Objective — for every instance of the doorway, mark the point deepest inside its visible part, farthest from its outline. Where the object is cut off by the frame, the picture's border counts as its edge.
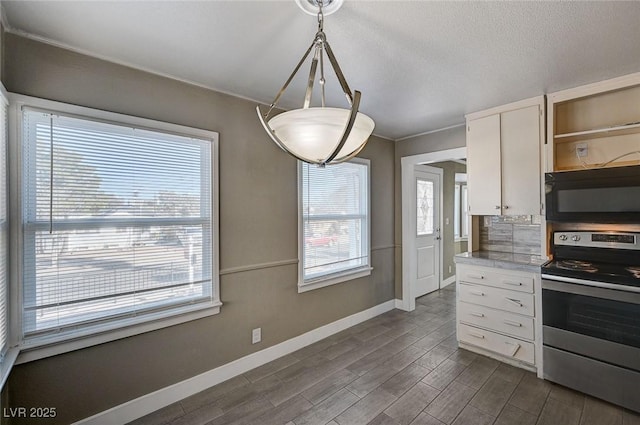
(419, 274)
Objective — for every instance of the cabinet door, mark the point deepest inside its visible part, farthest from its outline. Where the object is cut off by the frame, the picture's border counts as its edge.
(520, 147)
(483, 165)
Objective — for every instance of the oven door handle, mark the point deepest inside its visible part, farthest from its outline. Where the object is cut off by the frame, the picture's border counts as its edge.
(609, 291)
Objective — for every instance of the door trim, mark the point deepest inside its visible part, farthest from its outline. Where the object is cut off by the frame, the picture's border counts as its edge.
(407, 165)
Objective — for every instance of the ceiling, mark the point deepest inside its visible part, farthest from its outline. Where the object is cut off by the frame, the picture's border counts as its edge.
(420, 65)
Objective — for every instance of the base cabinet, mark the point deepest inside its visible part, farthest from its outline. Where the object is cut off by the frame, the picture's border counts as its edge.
(496, 313)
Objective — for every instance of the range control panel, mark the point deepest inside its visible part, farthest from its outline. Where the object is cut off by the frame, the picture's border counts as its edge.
(616, 240)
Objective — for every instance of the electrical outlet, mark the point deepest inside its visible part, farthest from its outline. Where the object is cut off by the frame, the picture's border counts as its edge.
(582, 150)
(256, 335)
(446, 221)
(449, 269)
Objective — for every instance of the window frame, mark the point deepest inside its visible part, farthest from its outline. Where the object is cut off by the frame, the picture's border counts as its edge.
(328, 279)
(8, 352)
(36, 348)
(461, 213)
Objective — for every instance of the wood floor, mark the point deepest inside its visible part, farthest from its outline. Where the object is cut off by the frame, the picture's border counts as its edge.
(398, 368)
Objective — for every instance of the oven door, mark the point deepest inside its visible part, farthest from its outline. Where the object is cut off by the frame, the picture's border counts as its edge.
(599, 323)
(609, 195)
(591, 340)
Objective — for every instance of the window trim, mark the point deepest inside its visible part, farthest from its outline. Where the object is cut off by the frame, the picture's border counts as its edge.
(8, 353)
(34, 349)
(343, 275)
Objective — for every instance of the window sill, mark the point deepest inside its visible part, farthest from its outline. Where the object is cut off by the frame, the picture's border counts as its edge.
(333, 279)
(39, 348)
(7, 363)
(461, 239)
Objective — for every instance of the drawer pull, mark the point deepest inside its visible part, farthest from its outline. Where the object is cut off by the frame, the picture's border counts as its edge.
(512, 323)
(476, 335)
(512, 283)
(477, 314)
(478, 293)
(512, 348)
(476, 276)
(516, 302)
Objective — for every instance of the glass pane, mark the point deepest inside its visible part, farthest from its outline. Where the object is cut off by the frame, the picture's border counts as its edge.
(456, 211)
(425, 203)
(333, 245)
(465, 212)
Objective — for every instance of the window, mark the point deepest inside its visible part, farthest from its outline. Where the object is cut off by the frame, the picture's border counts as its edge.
(461, 208)
(118, 222)
(425, 211)
(334, 223)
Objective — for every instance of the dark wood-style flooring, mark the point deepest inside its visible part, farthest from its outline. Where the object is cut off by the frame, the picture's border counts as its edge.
(398, 368)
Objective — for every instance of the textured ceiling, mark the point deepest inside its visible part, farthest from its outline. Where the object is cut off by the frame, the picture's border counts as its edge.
(421, 65)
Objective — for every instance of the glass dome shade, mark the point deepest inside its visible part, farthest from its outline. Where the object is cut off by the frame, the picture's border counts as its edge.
(314, 133)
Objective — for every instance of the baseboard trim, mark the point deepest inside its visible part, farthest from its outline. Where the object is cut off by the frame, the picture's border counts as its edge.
(448, 281)
(151, 402)
(398, 304)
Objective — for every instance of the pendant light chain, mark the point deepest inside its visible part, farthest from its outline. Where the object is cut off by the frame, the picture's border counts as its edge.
(321, 30)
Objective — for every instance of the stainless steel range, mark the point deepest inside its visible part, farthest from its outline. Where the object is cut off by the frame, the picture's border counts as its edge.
(591, 315)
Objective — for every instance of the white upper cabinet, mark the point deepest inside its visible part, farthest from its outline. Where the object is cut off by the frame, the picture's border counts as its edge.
(483, 165)
(504, 159)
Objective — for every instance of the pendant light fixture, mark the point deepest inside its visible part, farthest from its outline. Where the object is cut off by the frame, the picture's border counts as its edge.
(319, 135)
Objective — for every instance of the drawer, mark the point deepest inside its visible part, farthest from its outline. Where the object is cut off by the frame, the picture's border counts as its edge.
(514, 281)
(500, 344)
(515, 302)
(501, 321)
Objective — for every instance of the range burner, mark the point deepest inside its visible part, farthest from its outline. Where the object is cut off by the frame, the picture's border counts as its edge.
(583, 266)
(634, 270)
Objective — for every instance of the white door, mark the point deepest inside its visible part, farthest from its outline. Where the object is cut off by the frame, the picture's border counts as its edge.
(425, 258)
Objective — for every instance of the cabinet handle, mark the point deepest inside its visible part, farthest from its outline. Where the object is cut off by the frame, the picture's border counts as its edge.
(516, 302)
(478, 293)
(497, 207)
(506, 207)
(477, 314)
(511, 282)
(513, 349)
(476, 335)
(512, 323)
(476, 276)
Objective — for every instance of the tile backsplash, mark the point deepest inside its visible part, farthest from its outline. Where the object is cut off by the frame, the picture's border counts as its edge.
(517, 234)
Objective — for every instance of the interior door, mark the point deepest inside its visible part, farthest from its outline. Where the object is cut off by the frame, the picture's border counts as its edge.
(425, 267)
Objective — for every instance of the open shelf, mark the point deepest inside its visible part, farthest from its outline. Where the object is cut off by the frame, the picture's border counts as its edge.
(618, 130)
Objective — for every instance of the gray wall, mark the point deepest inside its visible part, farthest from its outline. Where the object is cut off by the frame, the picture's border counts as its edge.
(449, 170)
(87, 381)
(442, 140)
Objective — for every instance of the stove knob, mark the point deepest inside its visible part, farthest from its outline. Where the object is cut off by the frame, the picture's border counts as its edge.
(563, 237)
(575, 238)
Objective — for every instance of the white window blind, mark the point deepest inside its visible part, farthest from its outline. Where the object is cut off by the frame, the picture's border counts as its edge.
(4, 228)
(335, 218)
(117, 223)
